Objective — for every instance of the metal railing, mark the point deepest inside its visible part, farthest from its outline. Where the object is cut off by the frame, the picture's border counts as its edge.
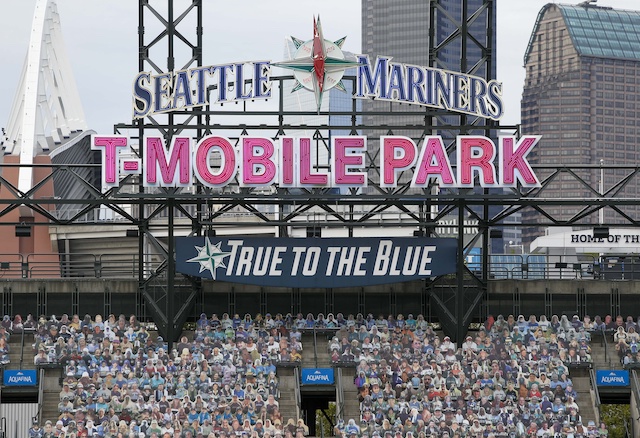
(75, 265)
(21, 348)
(339, 394)
(38, 416)
(627, 431)
(596, 393)
(535, 266)
(607, 355)
(298, 396)
(315, 348)
(635, 390)
(87, 265)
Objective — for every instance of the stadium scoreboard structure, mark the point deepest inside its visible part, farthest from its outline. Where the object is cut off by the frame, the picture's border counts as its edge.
(190, 155)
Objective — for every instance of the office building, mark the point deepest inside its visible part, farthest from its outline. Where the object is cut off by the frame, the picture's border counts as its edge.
(582, 94)
(400, 29)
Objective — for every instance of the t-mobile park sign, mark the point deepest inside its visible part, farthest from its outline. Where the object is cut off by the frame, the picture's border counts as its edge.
(260, 162)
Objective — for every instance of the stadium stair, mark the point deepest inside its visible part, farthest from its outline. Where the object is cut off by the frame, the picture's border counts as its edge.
(350, 395)
(16, 350)
(51, 394)
(582, 386)
(22, 347)
(316, 352)
(604, 360)
(582, 381)
(287, 388)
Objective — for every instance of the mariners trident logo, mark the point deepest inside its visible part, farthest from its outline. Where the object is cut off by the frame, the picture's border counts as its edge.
(210, 257)
(318, 64)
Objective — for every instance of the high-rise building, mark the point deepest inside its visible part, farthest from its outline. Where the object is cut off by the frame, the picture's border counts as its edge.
(401, 29)
(582, 94)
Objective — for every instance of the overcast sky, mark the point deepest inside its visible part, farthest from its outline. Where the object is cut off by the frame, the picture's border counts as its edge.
(101, 40)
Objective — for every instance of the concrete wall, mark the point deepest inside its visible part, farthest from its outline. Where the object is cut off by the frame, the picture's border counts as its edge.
(104, 296)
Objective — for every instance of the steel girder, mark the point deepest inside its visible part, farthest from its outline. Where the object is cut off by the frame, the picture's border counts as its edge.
(161, 292)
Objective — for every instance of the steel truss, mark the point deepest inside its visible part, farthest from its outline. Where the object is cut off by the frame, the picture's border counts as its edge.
(169, 299)
(185, 213)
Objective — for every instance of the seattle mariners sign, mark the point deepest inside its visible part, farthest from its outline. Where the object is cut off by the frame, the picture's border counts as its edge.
(318, 65)
(306, 263)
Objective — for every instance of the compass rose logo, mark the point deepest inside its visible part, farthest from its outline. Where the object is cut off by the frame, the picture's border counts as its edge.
(318, 64)
(210, 257)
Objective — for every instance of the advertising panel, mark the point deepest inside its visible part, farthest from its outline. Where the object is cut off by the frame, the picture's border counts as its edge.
(315, 262)
(317, 376)
(20, 378)
(612, 377)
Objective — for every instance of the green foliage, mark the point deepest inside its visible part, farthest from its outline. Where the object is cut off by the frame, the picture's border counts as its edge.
(615, 416)
(323, 428)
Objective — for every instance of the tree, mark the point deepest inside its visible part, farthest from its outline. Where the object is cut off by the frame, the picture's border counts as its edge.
(615, 417)
(323, 428)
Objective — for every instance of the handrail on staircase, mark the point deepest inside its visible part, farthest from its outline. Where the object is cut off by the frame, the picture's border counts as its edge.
(315, 347)
(606, 348)
(298, 397)
(21, 348)
(635, 385)
(38, 416)
(596, 392)
(339, 394)
(627, 432)
(24, 331)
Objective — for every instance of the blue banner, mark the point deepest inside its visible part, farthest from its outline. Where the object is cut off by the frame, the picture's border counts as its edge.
(612, 378)
(315, 262)
(317, 376)
(20, 378)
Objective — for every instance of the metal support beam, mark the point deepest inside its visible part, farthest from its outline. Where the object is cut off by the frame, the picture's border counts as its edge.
(161, 298)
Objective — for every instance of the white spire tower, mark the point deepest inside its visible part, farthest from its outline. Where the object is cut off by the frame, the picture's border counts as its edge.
(46, 110)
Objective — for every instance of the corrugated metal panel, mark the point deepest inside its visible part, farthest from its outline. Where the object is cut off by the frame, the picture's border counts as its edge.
(19, 417)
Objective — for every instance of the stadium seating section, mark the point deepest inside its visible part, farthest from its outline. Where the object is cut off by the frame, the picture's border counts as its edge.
(510, 378)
